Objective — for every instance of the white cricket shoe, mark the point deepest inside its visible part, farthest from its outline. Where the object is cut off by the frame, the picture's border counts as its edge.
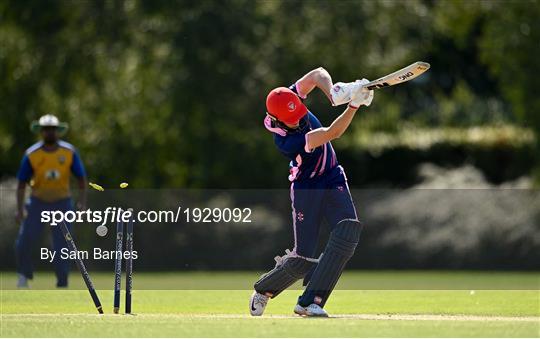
(312, 310)
(257, 304)
(22, 281)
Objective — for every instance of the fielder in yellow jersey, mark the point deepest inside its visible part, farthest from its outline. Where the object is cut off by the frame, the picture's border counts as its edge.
(46, 167)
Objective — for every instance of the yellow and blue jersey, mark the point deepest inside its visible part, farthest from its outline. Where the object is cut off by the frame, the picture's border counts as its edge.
(48, 172)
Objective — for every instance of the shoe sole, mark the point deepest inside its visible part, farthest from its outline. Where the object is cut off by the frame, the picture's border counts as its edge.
(300, 313)
(306, 314)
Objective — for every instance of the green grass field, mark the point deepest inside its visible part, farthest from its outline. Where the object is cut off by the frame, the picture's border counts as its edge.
(368, 304)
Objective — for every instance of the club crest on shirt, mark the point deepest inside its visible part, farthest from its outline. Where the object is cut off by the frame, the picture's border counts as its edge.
(61, 159)
(300, 216)
(52, 174)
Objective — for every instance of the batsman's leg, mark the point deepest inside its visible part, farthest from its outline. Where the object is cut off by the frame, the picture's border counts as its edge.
(296, 264)
(339, 210)
(306, 213)
(289, 269)
(340, 248)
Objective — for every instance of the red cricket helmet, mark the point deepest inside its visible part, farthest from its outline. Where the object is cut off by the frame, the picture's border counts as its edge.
(284, 105)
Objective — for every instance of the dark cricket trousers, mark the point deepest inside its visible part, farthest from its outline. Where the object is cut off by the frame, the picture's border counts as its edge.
(326, 197)
(30, 233)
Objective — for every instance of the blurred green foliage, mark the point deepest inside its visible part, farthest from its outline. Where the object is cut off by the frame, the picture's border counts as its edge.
(171, 93)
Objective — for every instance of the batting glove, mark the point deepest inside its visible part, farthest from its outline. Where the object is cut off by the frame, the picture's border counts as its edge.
(341, 92)
(361, 95)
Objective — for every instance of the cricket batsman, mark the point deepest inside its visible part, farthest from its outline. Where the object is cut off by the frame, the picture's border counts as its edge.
(319, 190)
(46, 166)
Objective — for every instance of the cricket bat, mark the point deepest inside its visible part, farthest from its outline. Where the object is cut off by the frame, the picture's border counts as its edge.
(403, 75)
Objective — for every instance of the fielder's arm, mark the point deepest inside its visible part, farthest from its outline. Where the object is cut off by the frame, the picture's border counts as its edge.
(319, 78)
(321, 136)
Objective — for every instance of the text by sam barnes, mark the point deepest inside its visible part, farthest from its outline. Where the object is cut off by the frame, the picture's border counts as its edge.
(96, 254)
